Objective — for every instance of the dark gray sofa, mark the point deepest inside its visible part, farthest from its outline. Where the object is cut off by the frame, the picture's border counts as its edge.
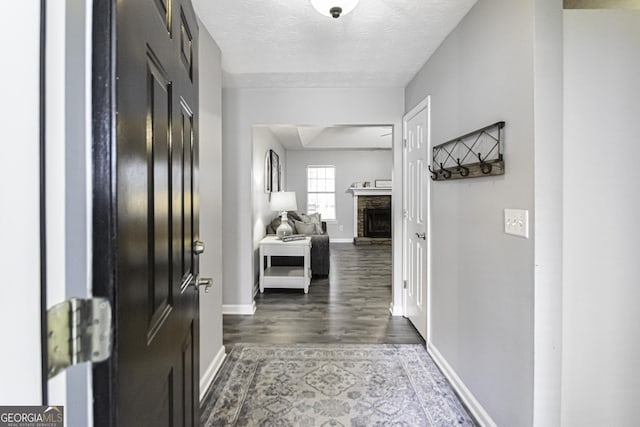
(320, 251)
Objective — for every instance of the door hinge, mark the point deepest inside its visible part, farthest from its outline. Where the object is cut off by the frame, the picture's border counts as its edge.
(404, 142)
(78, 330)
(405, 284)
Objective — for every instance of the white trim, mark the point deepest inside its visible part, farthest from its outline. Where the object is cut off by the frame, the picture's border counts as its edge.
(210, 373)
(396, 310)
(370, 191)
(429, 229)
(366, 191)
(415, 110)
(243, 309)
(341, 240)
(465, 395)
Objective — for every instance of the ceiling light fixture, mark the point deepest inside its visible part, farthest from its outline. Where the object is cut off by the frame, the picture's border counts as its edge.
(334, 8)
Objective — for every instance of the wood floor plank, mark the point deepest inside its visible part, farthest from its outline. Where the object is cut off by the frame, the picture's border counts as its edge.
(349, 306)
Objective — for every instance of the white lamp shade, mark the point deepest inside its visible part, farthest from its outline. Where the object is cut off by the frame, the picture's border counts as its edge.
(283, 201)
(324, 6)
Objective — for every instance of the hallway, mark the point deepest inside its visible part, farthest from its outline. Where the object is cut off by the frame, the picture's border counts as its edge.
(307, 360)
(350, 306)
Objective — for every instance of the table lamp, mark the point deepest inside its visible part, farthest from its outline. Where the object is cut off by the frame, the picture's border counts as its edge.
(283, 201)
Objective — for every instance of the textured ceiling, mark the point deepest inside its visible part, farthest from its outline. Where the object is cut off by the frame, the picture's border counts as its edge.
(286, 43)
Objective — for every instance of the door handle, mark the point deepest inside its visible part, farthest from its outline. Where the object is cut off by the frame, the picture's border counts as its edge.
(198, 247)
(422, 236)
(205, 282)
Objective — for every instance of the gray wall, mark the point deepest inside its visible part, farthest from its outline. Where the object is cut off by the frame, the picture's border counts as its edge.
(210, 128)
(263, 140)
(351, 166)
(482, 293)
(244, 108)
(601, 343)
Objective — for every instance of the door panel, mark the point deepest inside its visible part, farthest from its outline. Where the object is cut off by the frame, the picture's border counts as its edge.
(416, 219)
(186, 167)
(152, 377)
(158, 137)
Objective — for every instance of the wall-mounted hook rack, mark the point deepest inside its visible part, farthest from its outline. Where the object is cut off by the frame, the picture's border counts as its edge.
(464, 171)
(476, 154)
(434, 173)
(446, 174)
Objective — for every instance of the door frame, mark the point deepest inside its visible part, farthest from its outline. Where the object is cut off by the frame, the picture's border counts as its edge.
(425, 105)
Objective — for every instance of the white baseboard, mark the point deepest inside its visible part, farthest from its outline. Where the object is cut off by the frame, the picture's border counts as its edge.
(244, 309)
(210, 373)
(341, 240)
(472, 404)
(396, 310)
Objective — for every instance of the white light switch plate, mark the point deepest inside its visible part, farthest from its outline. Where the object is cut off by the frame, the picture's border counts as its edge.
(516, 222)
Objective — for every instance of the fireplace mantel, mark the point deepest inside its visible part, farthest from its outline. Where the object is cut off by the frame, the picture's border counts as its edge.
(364, 191)
(370, 191)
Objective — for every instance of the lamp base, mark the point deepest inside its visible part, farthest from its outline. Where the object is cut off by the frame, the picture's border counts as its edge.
(284, 229)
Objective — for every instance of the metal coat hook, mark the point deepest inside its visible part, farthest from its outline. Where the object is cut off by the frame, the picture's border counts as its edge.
(463, 170)
(446, 173)
(434, 174)
(484, 167)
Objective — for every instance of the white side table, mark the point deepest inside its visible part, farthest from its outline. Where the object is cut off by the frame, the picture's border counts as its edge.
(285, 277)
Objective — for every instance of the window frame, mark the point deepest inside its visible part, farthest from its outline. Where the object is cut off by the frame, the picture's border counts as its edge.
(308, 192)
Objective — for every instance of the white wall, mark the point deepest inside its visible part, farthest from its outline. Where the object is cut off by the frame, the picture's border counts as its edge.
(601, 341)
(482, 292)
(263, 141)
(244, 108)
(20, 214)
(351, 166)
(210, 174)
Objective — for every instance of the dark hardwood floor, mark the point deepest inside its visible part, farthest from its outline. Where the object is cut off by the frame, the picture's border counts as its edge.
(351, 306)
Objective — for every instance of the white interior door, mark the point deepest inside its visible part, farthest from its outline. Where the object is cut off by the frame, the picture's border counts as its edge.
(416, 133)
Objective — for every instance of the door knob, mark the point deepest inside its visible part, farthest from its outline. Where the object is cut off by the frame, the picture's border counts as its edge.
(207, 282)
(198, 247)
(422, 236)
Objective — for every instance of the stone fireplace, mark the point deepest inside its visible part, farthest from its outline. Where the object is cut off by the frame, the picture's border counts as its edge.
(372, 215)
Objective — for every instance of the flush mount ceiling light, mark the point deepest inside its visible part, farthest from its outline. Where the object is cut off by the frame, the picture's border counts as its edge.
(334, 8)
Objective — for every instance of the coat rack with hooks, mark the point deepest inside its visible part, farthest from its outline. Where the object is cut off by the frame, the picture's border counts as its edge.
(476, 154)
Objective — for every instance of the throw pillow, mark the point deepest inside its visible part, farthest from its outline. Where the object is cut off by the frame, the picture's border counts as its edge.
(306, 228)
(294, 216)
(313, 219)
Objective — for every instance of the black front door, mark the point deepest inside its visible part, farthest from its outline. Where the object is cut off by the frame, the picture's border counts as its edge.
(145, 209)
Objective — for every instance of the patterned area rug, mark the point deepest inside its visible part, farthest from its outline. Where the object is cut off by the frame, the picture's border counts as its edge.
(331, 385)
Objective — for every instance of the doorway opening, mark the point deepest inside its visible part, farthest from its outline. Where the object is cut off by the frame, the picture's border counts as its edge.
(359, 283)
